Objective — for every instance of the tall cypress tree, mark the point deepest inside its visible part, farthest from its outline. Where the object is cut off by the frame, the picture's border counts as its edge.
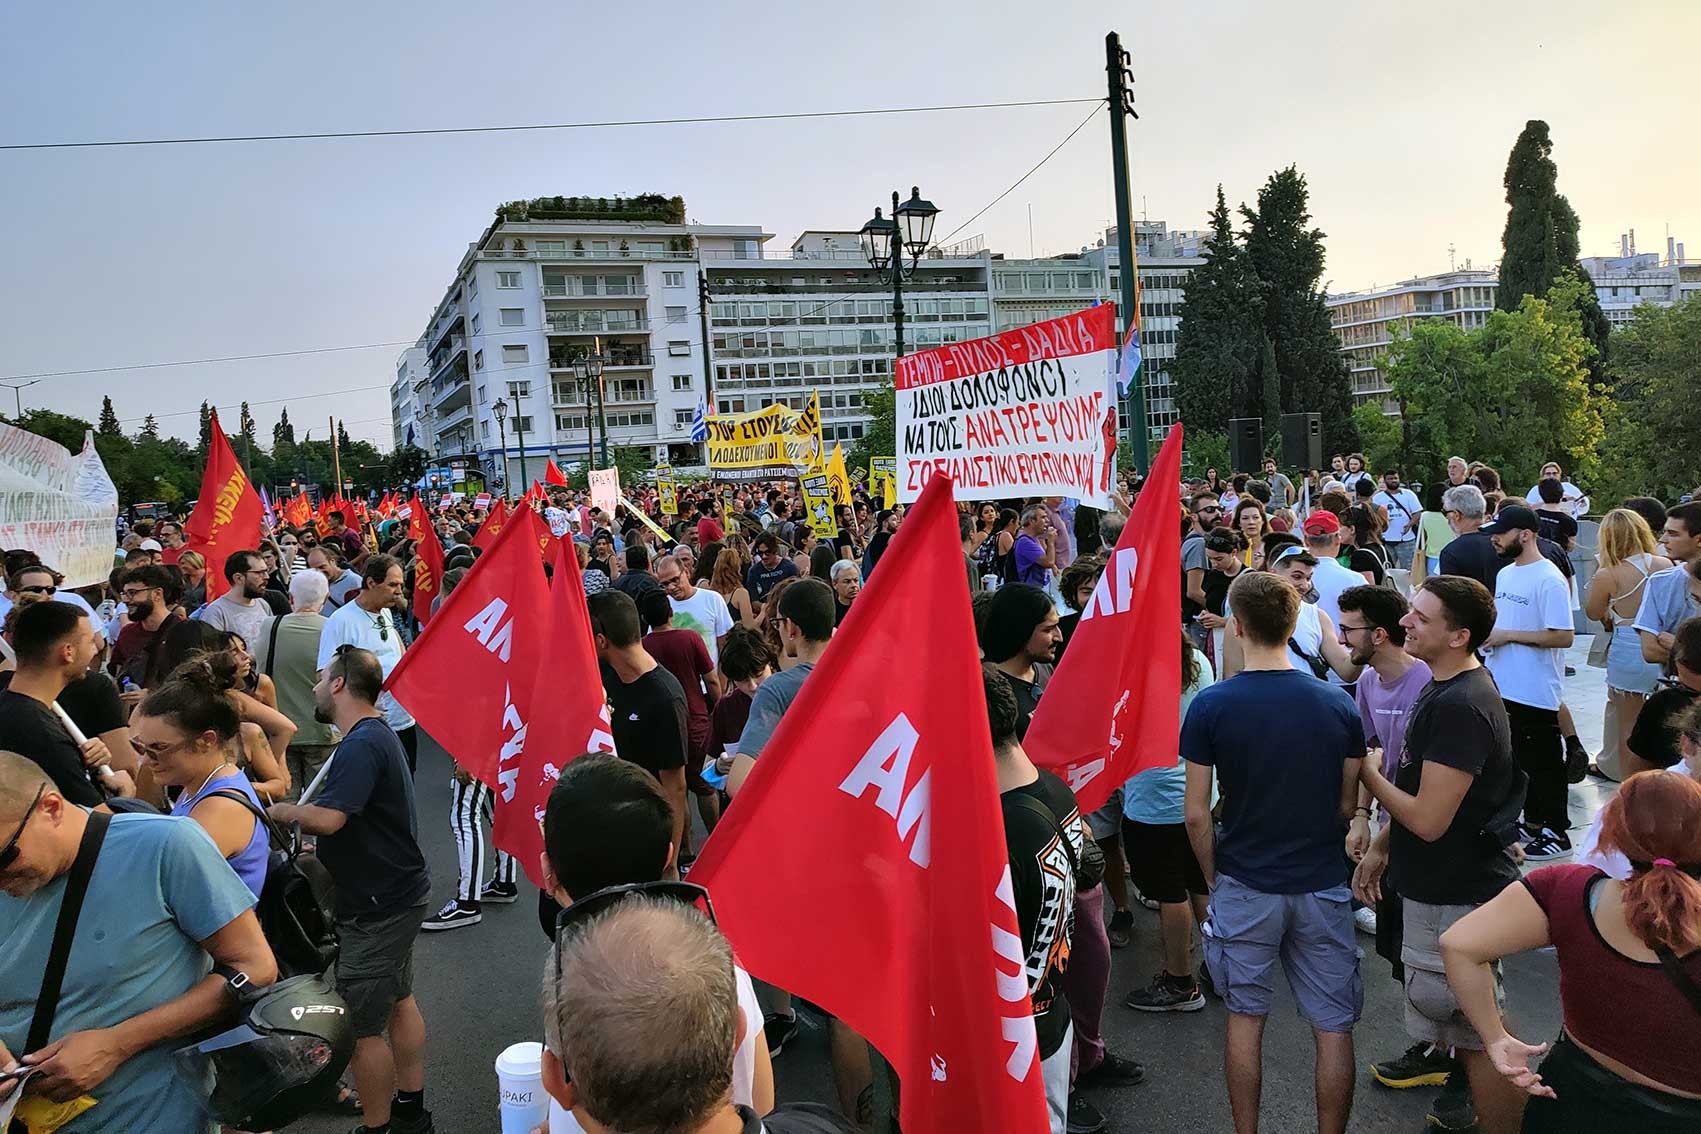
(149, 430)
(283, 433)
(1217, 349)
(108, 426)
(1286, 256)
(205, 442)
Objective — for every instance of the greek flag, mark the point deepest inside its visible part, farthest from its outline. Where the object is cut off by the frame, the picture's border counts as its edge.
(700, 421)
(1128, 364)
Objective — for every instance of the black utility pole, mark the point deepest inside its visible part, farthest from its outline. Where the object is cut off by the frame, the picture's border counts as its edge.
(703, 298)
(1122, 108)
(520, 434)
(897, 291)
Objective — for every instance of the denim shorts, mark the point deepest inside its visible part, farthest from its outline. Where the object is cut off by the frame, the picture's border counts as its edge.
(1310, 934)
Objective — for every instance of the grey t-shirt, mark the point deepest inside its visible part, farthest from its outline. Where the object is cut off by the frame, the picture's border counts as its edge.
(772, 700)
(341, 591)
(226, 613)
(1667, 603)
(1192, 559)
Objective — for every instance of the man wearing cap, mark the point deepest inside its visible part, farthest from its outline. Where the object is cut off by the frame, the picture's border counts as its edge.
(1526, 655)
(1329, 578)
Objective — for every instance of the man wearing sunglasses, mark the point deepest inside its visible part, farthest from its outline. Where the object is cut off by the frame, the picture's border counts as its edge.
(369, 623)
(1207, 513)
(159, 902)
(149, 618)
(607, 834)
(241, 609)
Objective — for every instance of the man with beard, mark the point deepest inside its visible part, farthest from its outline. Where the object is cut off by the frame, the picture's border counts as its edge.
(1526, 655)
(150, 617)
(241, 609)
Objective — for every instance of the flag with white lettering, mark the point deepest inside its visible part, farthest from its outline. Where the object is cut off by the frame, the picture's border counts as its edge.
(427, 574)
(1113, 708)
(575, 720)
(227, 514)
(468, 678)
(891, 906)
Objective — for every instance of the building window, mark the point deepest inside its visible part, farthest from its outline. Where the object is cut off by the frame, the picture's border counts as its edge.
(676, 314)
(683, 416)
(519, 389)
(508, 280)
(478, 360)
(673, 279)
(512, 354)
(551, 247)
(679, 348)
(472, 286)
(681, 382)
(522, 425)
(476, 325)
(484, 430)
(513, 316)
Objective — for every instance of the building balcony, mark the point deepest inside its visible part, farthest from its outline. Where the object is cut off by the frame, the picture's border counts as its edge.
(592, 289)
(455, 348)
(459, 419)
(615, 358)
(592, 254)
(593, 323)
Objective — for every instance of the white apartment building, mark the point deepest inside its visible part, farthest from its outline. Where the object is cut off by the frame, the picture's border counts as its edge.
(1626, 281)
(549, 282)
(408, 399)
(817, 317)
(1368, 322)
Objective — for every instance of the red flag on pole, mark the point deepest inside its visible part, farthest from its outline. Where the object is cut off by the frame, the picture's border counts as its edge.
(468, 677)
(892, 906)
(419, 519)
(1113, 708)
(492, 526)
(427, 575)
(553, 475)
(569, 683)
(227, 514)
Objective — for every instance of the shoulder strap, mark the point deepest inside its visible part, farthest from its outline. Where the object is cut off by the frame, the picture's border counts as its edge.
(1034, 806)
(272, 830)
(1674, 971)
(65, 930)
(272, 644)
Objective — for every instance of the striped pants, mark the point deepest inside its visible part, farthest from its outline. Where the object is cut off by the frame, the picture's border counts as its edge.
(470, 806)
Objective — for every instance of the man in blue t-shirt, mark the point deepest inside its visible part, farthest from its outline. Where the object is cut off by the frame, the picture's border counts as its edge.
(1277, 869)
(363, 814)
(1035, 548)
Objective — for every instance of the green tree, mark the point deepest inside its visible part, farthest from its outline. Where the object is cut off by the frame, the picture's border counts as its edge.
(1219, 346)
(1286, 255)
(1378, 436)
(283, 433)
(1207, 449)
(108, 426)
(342, 436)
(55, 426)
(150, 428)
(204, 443)
(1650, 446)
(880, 437)
(407, 464)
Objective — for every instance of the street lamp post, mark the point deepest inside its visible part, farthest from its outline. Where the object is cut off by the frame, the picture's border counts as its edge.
(520, 435)
(18, 398)
(589, 368)
(500, 409)
(884, 242)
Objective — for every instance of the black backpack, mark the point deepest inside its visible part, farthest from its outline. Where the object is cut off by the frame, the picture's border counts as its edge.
(297, 900)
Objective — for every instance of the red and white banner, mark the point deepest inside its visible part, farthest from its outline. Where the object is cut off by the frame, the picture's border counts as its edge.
(1029, 412)
(891, 906)
(1113, 708)
(572, 717)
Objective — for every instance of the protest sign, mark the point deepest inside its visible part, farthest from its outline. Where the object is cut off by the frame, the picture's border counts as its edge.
(837, 477)
(777, 441)
(605, 490)
(667, 490)
(482, 500)
(643, 518)
(60, 505)
(883, 479)
(818, 499)
(1028, 412)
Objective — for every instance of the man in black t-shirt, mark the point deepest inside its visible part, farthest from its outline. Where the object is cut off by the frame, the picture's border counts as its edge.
(1455, 795)
(1020, 636)
(55, 642)
(1654, 742)
(648, 711)
(770, 567)
(1556, 523)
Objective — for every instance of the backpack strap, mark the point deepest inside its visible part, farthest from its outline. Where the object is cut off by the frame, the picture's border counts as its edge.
(65, 930)
(1674, 971)
(272, 645)
(273, 831)
(1036, 807)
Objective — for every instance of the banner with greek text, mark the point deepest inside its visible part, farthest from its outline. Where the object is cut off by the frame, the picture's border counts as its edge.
(667, 490)
(58, 504)
(1028, 412)
(818, 501)
(605, 490)
(777, 441)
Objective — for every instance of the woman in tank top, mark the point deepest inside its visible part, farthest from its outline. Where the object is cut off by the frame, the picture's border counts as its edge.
(1627, 559)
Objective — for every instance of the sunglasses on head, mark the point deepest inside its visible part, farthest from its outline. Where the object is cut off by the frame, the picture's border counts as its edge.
(576, 916)
(9, 853)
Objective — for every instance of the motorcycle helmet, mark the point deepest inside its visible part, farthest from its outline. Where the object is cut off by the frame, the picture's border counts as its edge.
(281, 1060)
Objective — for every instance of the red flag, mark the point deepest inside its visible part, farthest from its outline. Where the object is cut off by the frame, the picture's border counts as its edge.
(535, 493)
(892, 905)
(427, 575)
(468, 676)
(553, 475)
(492, 526)
(1113, 708)
(419, 519)
(576, 722)
(227, 514)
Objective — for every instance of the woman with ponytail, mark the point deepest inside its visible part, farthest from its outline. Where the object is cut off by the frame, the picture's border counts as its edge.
(186, 732)
(1629, 971)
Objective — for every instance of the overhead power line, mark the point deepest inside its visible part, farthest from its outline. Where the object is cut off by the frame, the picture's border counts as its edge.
(611, 124)
(1053, 153)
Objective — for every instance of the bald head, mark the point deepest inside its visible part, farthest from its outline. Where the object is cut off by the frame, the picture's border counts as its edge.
(20, 779)
(643, 1015)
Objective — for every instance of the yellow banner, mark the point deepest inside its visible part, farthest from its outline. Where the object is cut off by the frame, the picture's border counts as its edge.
(643, 518)
(777, 441)
(838, 477)
(883, 478)
(818, 500)
(667, 490)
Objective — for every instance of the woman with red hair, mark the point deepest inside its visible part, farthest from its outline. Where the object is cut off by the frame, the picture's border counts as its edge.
(1629, 972)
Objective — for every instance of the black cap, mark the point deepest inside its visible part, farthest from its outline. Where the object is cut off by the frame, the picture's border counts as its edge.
(1513, 517)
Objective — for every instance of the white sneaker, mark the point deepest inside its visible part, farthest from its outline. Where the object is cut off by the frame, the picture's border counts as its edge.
(1365, 919)
(452, 916)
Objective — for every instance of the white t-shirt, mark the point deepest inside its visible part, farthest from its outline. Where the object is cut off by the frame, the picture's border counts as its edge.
(352, 626)
(1330, 579)
(707, 613)
(743, 1058)
(1530, 596)
(1403, 508)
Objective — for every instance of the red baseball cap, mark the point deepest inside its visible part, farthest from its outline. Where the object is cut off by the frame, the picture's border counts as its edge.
(1322, 522)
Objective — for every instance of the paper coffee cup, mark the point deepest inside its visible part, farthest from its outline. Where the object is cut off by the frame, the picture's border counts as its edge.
(519, 1084)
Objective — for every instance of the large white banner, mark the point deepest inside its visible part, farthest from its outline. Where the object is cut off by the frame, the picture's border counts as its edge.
(605, 491)
(60, 505)
(1029, 412)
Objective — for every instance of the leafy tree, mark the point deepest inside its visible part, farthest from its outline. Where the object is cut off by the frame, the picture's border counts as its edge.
(407, 464)
(205, 442)
(1378, 435)
(1286, 255)
(880, 436)
(1207, 449)
(108, 426)
(150, 428)
(342, 436)
(1219, 346)
(1650, 446)
(283, 433)
(60, 427)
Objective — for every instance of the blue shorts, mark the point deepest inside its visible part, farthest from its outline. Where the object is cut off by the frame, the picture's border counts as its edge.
(1311, 934)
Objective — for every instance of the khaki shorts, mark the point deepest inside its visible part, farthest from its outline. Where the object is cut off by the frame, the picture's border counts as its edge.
(1432, 1011)
(374, 970)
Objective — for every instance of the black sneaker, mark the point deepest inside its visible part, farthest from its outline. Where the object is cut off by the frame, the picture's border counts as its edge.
(421, 1125)
(499, 893)
(1452, 1109)
(1205, 984)
(1547, 846)
(778, 1030)
(1423, 1065)
(1112, 1071)
(1121, 928)
(1167, 994)
(453, 916)
(1084, 1117)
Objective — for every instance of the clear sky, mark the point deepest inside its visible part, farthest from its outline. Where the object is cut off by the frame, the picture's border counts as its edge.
(1401, 118)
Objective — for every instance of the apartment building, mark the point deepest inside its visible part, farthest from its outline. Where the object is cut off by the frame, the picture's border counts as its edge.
(1626, 281)
(407, 404)
(1368, 322)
